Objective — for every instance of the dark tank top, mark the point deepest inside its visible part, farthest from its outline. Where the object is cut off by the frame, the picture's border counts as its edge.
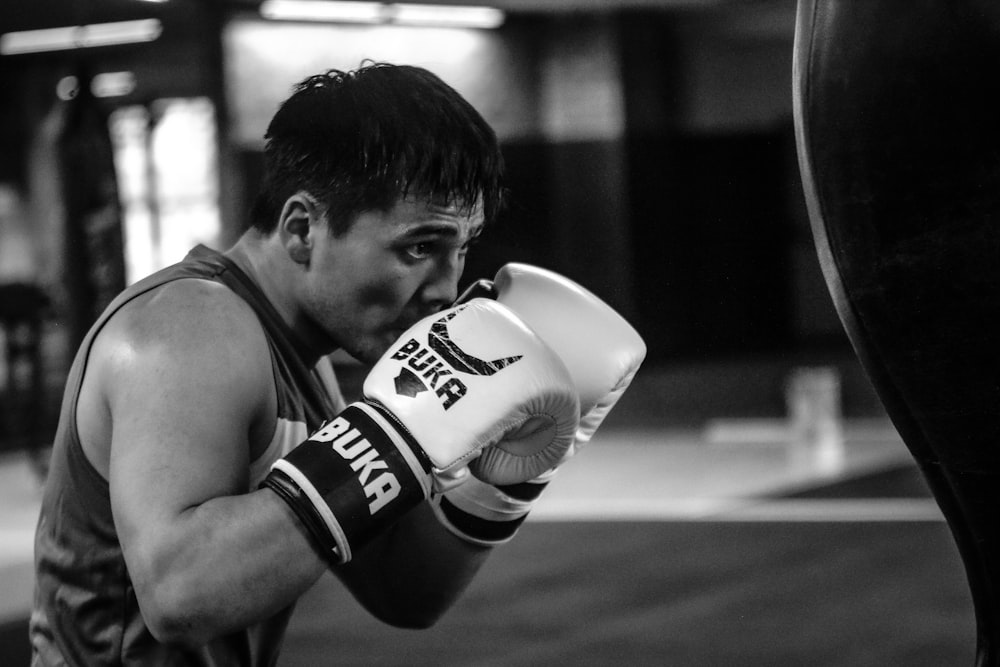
(85, 610)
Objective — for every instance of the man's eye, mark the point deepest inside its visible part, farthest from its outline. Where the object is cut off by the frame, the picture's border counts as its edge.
(464, 250)
(420, 250)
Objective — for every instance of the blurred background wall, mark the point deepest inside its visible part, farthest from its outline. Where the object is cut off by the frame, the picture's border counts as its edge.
(649, 144)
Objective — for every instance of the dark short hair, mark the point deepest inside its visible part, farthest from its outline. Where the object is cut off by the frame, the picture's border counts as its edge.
(362, 139)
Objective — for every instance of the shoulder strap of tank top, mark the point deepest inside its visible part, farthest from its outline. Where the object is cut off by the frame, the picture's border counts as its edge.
(317, 402)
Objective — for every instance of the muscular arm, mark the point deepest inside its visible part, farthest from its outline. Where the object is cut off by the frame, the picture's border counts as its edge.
(187, 385)
(185, 379)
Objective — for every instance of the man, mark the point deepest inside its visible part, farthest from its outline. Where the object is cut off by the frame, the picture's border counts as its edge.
(157, 543)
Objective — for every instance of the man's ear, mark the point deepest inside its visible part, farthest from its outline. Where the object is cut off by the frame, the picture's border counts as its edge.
(297, 224)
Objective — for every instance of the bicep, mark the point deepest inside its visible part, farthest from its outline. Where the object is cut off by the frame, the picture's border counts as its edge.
(182, 404)
(179, 438)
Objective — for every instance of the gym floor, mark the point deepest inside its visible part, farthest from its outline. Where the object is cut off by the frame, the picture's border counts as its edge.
(722, 541)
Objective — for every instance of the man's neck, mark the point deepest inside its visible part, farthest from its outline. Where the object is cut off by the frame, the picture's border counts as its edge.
(260, 263)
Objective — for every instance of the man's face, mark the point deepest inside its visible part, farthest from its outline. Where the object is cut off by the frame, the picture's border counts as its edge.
(390, 269)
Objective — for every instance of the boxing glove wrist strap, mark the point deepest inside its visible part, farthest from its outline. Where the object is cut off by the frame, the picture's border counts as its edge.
(352, 479)
(485, 514)
(319, 535)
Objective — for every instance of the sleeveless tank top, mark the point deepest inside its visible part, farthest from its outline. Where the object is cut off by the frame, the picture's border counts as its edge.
(85, 611)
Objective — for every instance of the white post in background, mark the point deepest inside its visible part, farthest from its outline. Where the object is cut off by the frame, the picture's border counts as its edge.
(813, 396)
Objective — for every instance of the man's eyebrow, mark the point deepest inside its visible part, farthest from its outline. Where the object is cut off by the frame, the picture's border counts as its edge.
(425, 228)
(440, 229)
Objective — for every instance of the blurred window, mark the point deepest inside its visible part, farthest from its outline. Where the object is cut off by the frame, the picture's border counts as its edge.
(167, 164)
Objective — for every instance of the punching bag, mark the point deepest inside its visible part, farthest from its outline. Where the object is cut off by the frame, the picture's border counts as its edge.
(897, 118)
(93, 243)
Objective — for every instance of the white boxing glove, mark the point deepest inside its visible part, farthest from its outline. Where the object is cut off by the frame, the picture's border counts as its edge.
(445, 394)
(602, 351)
(600, 348)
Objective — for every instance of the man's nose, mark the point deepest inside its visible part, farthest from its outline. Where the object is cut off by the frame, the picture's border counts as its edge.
(442, 285)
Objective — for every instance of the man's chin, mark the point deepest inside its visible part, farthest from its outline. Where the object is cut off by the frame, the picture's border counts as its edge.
(377, 347)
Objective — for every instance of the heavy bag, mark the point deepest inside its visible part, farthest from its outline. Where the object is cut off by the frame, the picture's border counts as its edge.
(897, 118)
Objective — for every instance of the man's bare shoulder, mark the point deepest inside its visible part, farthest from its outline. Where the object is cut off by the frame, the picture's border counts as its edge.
(198, 323)
(188, 361)
(189, 311)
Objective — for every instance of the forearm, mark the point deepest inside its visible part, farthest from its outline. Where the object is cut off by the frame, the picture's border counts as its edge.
(361, 482)
(221, 566)
(414, 572)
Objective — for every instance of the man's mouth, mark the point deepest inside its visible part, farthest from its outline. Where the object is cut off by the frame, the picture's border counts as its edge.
(398, 329)
(405, 323)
